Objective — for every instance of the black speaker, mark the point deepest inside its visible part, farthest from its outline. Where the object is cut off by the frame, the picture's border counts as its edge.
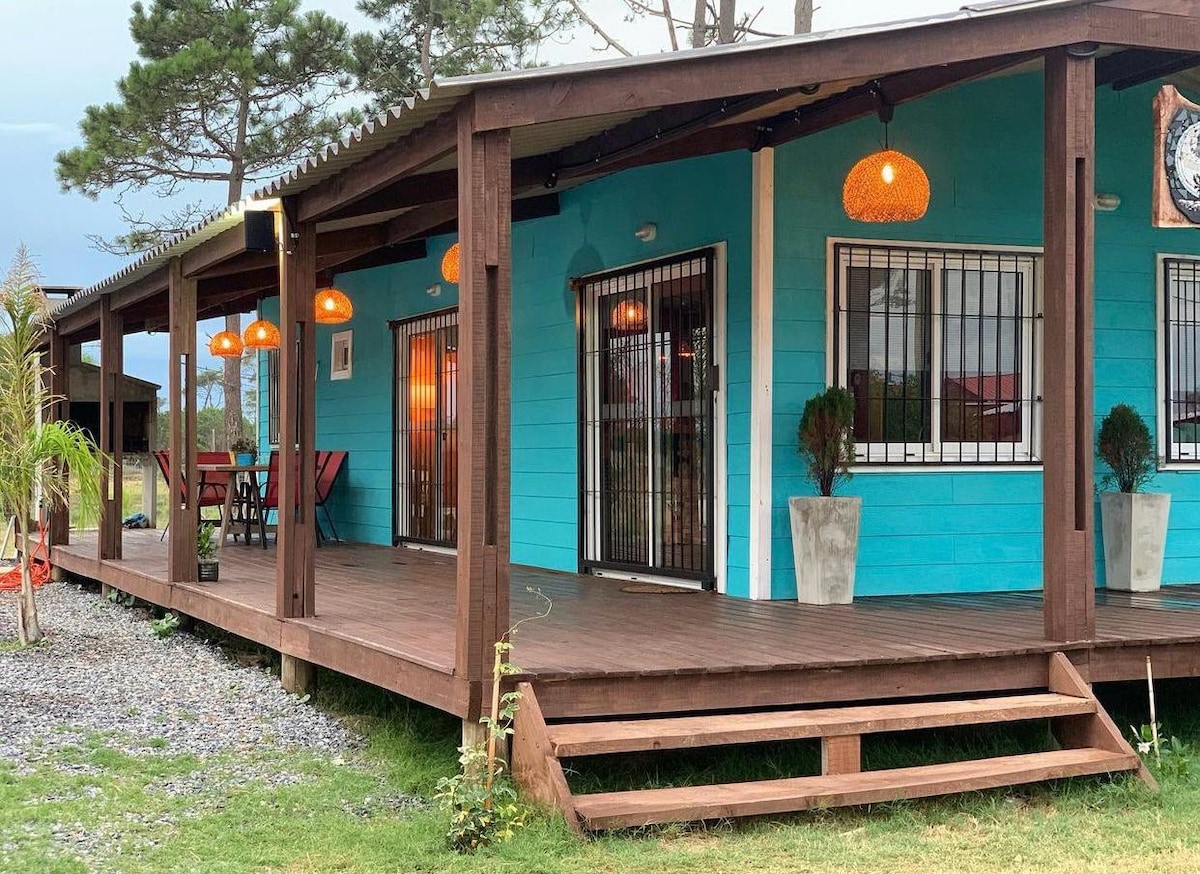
(260, 230)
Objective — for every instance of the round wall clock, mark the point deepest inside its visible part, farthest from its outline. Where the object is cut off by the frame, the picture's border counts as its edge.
(1181, 160)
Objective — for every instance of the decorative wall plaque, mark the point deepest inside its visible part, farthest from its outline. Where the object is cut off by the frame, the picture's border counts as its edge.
(1176, 201)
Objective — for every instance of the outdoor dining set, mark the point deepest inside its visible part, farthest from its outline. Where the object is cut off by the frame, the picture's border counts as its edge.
(246, 494)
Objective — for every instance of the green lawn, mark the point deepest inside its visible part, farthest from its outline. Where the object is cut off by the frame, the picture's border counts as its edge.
(354, 815)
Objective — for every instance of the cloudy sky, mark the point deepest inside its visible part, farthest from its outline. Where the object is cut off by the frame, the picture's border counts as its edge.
(58, 56)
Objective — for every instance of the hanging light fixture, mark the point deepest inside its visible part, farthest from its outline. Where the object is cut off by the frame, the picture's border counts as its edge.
(225, 344)
(450, 263)
(629, 315)
(333, 307)
(261, 334)
(886, 186)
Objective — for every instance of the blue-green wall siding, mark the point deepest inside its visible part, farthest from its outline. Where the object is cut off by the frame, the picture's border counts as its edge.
(695, 203)
(922, 531)
(981, 144)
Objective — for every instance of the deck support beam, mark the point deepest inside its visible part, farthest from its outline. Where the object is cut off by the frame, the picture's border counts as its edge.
(181, 418)
(1068, 565)
(112, 429)
(59, 387)
(296, 675)
(295, 574)
(484, 376)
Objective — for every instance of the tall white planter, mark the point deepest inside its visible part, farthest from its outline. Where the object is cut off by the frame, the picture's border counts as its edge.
(825, 546)
(1135, 538)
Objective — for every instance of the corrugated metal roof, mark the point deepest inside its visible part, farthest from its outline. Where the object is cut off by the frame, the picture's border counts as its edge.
(398, 121)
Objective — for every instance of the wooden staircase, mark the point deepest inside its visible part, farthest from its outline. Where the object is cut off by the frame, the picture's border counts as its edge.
(1091, 744)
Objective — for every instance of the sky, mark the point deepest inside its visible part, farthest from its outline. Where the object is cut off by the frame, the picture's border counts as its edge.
(59, 56)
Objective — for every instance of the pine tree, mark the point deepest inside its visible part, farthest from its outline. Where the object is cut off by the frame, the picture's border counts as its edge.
(223, 91)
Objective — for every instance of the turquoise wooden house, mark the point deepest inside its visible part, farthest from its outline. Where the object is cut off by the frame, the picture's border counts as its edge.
(589, 304)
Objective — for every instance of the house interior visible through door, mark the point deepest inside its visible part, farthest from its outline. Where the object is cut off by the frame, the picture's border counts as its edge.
(426, 467)
(646, 403)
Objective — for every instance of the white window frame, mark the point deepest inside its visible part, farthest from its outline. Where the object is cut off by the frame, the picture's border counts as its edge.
(341, 367)
(973, 455)
(1168, 460)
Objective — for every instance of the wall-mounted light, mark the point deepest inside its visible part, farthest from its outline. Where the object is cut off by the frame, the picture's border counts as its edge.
(1106, 201)
(434, 290)
(647, 232)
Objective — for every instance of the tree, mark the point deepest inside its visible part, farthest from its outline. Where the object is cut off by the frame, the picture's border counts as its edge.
(231, 91)
(35, 454)
(420, 39)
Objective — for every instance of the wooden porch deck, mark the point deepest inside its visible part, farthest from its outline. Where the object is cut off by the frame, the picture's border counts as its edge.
(387, 616)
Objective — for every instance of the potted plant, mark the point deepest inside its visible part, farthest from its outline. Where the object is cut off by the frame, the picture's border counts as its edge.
(208, 568)
(1134, 523)
(825, 528)
(244, 449)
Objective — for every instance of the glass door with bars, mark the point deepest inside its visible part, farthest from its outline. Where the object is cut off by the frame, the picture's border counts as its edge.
(647, 383)
(426, 457)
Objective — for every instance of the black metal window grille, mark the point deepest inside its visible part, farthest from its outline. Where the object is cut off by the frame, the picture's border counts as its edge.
(273, 397)
(940, 348)
(646, 419)
(426, 404)
(1181, 358)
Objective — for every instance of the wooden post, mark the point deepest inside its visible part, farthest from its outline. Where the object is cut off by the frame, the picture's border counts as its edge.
(296, 675)
(484, 375)
(181, 417)
(295, 575)
(59, 411)
(112, 427)
(1068, 564)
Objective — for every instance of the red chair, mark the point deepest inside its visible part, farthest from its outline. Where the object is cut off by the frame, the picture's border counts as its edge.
(328, 466)
(213, 485)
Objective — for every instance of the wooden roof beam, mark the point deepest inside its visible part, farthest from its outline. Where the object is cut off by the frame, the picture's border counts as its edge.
(405, 156)
(732, 73)
(865, 99)
(1167, 25)
(1137, 66)
(146, 287)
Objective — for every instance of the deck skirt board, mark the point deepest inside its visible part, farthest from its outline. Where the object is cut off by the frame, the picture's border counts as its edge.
(727, 800)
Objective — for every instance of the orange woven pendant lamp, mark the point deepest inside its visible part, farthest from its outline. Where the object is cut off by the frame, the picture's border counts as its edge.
(886, 186)
(261, 334)
(333, 307)
(225, 344)
(450, 263)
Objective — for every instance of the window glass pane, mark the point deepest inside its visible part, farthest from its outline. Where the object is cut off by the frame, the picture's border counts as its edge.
(1183, 338)
(888, 353)
(981, 356)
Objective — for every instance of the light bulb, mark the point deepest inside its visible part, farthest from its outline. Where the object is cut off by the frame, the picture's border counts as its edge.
(889, 173)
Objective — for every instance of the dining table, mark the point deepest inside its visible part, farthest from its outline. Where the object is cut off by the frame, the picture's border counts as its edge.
(243, 493)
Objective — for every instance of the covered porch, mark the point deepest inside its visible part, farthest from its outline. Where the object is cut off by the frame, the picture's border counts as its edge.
(388, 617)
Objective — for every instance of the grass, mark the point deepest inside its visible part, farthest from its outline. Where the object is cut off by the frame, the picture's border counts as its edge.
(348, 816)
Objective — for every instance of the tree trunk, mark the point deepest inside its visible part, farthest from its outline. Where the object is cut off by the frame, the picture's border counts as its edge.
(700, 24)
(727, 22)
(232, 366)
(804, 13)
(670, 19)
(426, 61)
(29, 630)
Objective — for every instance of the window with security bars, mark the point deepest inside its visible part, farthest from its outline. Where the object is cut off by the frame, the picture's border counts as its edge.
(1181, 360)
(940, 348)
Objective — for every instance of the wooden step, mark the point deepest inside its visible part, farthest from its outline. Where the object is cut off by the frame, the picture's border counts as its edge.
(630, 735)
(686, 804)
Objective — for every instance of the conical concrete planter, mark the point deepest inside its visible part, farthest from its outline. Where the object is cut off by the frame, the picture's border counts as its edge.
(825, 546)
(1135, 538)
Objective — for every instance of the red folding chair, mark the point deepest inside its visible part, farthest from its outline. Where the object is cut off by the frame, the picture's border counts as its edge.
(213, 485)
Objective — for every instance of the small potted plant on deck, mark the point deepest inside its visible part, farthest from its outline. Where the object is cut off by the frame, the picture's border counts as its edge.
(208, 568)
(1133, 522)
(244, 449)
(825, 528)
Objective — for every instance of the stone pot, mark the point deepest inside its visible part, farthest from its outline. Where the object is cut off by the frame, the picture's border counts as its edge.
(208, 571)
(825, 546)
(1135, 538)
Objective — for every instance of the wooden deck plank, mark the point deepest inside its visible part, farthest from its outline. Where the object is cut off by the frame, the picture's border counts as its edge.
(664, 650)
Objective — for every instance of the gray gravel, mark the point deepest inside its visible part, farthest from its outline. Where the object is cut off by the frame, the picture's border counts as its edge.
(105, 673)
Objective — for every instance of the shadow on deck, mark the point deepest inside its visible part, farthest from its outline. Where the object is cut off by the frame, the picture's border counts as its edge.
(387, 616)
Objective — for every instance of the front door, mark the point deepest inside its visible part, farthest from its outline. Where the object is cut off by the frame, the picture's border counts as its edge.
(426, 467)
(647, 383)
